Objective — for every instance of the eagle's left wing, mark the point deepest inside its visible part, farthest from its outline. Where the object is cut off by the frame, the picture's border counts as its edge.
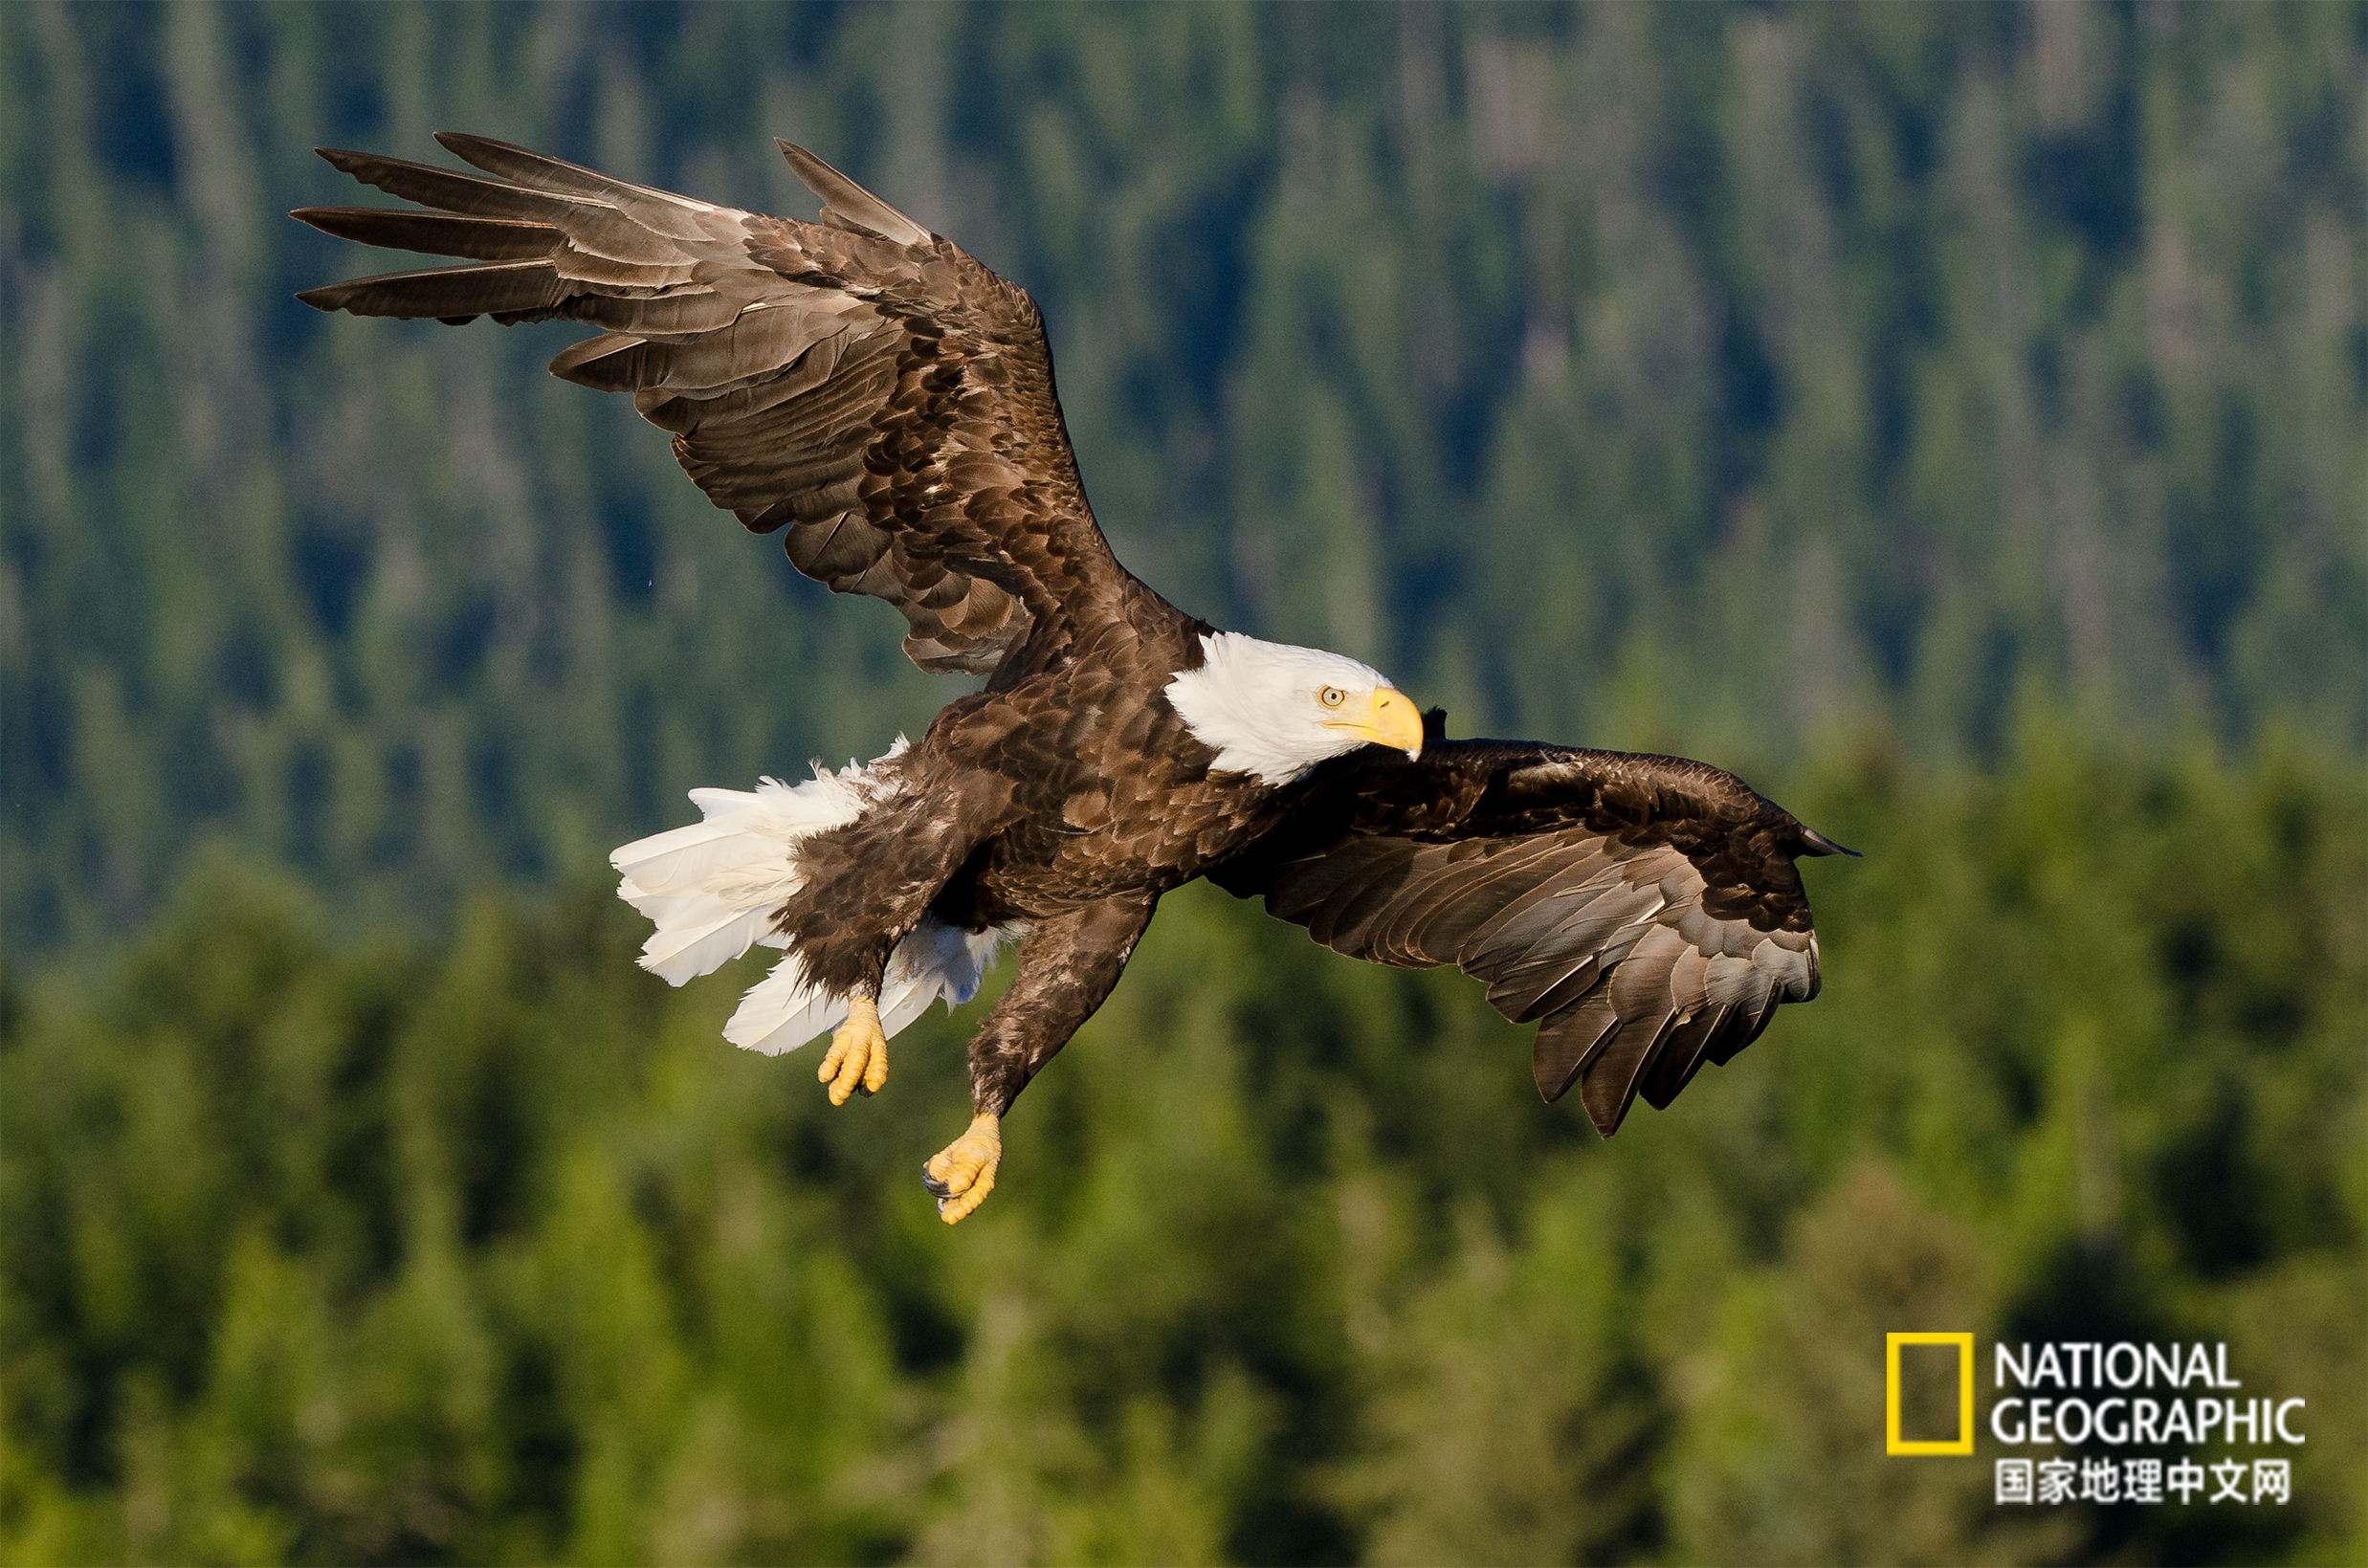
(861, 382)
(1644, 910)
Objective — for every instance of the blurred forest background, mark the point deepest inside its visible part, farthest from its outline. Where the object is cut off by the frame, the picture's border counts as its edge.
(1952, 418)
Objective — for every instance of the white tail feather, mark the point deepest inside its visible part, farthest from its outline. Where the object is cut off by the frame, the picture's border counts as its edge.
(710, 887)
(677, 955)
(683, 868)
(781, 1013)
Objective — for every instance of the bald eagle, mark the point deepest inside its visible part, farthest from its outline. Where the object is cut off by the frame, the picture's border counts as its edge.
(870, 388)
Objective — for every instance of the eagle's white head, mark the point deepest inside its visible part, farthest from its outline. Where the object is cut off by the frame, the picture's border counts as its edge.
(1275, 711)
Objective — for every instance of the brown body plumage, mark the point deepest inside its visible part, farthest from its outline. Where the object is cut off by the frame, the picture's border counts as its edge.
(873, 390)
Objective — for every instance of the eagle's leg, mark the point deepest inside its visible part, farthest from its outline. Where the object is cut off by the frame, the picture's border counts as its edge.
(858, 1055)
(866, 885)
(1068, 965)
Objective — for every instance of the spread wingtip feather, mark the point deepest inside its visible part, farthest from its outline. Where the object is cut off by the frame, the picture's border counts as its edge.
(848, 200)
(1816, 843)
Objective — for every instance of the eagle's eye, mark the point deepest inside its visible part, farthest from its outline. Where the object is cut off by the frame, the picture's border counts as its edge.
(1332, 697)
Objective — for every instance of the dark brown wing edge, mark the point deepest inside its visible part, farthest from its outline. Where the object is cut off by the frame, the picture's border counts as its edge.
(1644, 911)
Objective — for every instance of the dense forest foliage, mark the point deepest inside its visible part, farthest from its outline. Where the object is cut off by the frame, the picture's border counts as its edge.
(490, 1252)
(1951, 418)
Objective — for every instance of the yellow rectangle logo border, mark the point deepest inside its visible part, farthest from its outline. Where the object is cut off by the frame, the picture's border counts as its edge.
(1893, 1441)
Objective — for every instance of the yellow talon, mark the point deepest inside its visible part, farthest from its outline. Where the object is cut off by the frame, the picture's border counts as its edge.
(858, 1057)
(963, 1173)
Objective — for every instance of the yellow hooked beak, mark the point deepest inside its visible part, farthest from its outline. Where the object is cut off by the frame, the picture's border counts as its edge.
(1385, 718)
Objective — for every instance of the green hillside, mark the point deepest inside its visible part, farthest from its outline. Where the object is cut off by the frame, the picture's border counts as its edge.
(1635, 376)
(1950, 417)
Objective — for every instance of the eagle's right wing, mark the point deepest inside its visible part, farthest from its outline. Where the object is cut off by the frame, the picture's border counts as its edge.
(1644, 910)
(860, 380)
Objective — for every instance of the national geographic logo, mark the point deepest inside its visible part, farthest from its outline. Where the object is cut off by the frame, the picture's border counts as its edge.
(1963, 1347)
(2174, 1399)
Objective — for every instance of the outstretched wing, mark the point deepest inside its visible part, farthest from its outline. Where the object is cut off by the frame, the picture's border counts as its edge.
(1644, 910)
(860, 380)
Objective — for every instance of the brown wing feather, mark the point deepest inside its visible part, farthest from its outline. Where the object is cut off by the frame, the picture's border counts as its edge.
(1644, 910)
(859, 382)
(436, 234)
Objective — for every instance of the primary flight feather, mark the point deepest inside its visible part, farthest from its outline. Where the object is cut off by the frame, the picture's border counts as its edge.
(871, 388)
